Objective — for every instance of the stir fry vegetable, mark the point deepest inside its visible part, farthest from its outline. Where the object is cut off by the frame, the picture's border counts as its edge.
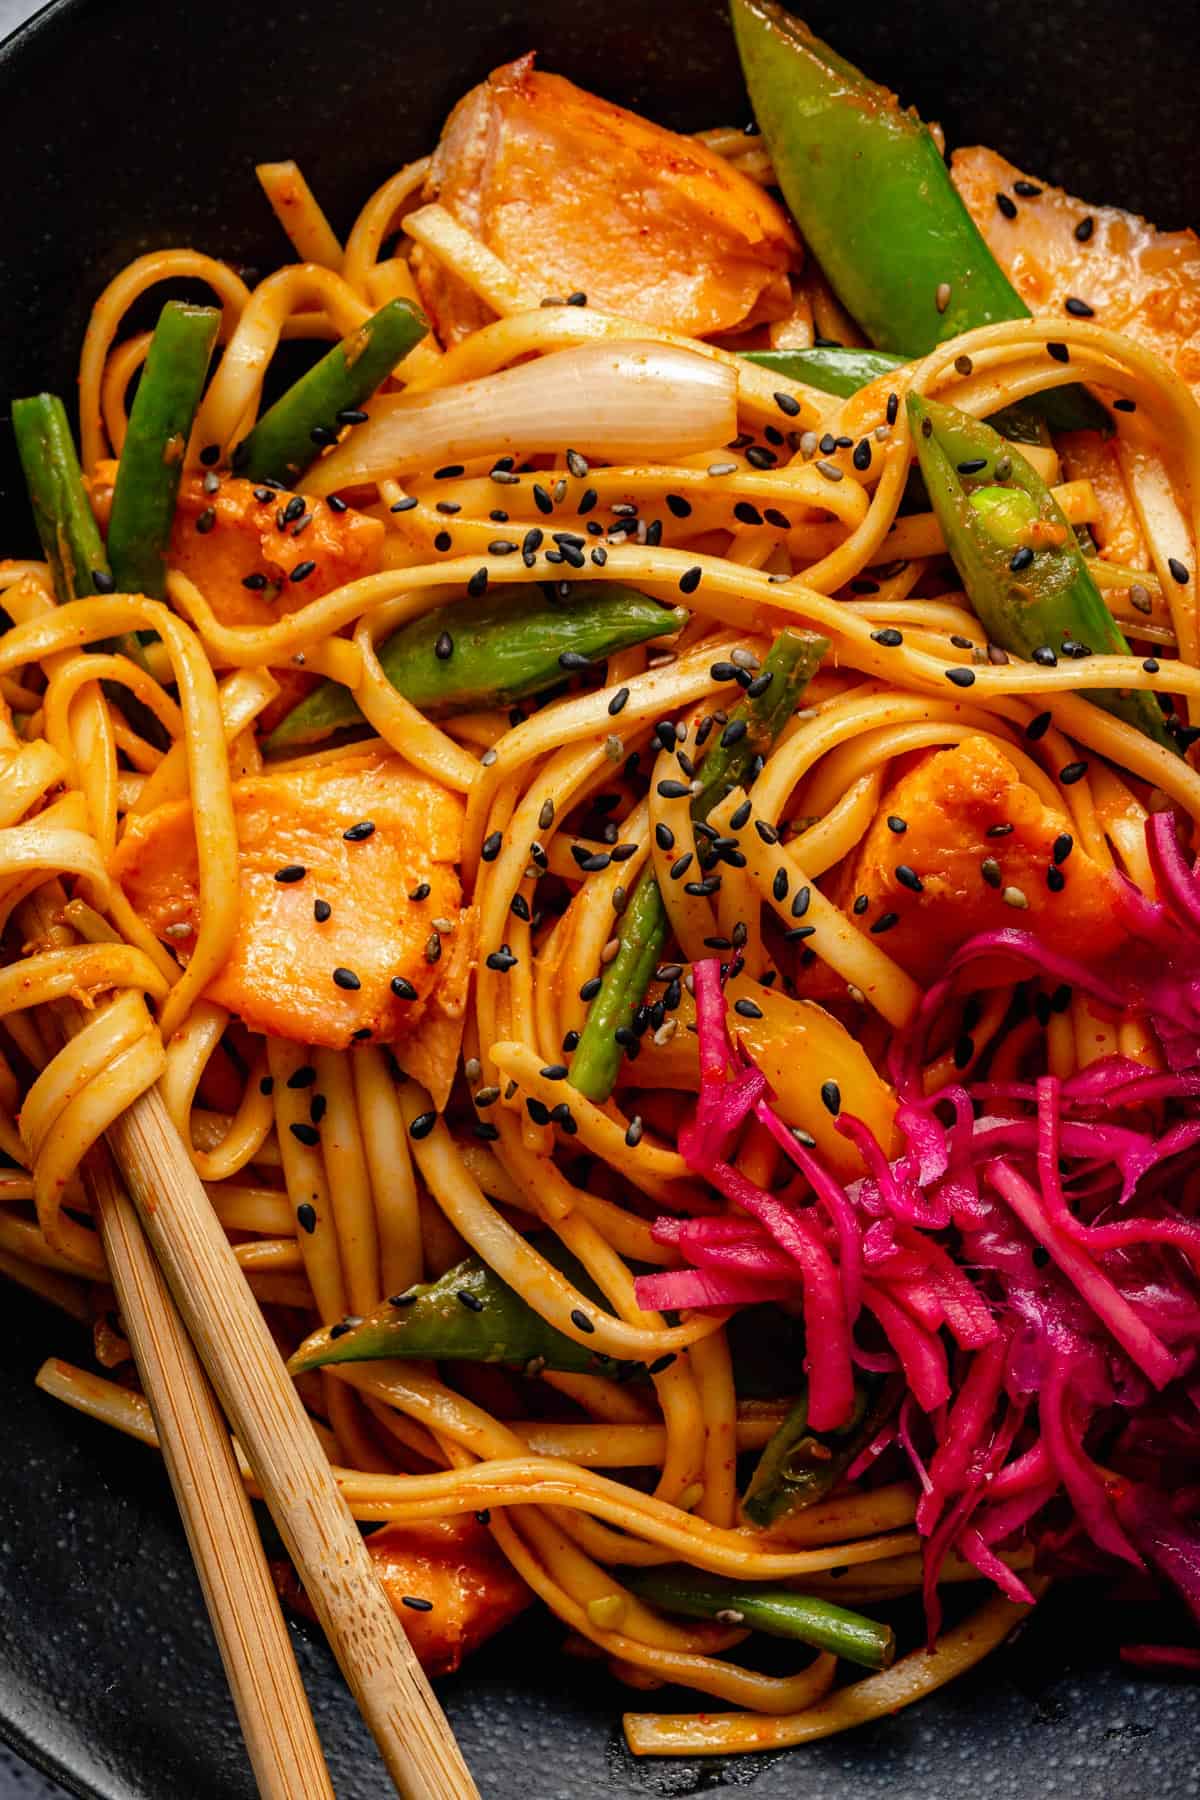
(776, 1611)
(794, 658)
(469, 1315)
(490, 651)
(1023, 570)
(65, 522)
(870, 191)
(291, 435)
(799, 1466)
(151, 465)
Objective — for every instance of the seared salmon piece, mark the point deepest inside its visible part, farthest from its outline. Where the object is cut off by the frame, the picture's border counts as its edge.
(948, 802)
(472, 1589)
(245, 539)
(1143, 282)
(319, 979)
(578, 195)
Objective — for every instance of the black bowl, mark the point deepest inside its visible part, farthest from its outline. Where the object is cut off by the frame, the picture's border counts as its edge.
(130, 124)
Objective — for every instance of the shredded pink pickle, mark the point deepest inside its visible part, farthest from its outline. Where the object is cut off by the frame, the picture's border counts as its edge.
(1027, 1269)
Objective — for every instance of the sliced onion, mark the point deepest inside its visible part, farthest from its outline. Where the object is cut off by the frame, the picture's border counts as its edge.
(615, 401)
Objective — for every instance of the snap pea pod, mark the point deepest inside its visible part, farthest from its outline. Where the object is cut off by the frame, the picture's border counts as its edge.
(843, 370)
(489, 651)
(872, 195)
(798, 1466)
(282, 444)
(151, 465)
(1018, 558)
(63, 515)
(468, 1315)
(777, 1611)
(791, 663)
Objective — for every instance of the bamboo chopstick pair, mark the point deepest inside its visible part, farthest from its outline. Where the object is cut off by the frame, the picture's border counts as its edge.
(188, 1309)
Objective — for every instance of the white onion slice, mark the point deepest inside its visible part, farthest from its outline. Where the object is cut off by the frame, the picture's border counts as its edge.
(613, 401)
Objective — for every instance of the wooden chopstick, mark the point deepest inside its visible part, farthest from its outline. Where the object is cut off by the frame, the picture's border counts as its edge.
(272, 1707)
(260, 1402)
(275, 1432)
(252, 1636)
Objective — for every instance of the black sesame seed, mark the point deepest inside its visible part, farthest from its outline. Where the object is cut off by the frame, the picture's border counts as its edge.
(1178, 571)
(677, 505)
(404, 504)
(681, 865)
(788, 405)
(317, 1108)
(893, 408)
(990, 869)
(1125, 406)
(831, 1097)
(422, 891)
(862, 454)
(1056, 881)
(972, 466)
(347, 979)
(308, 1135)
(1038, 727)
(1078, 309)
(581, 1322)
(1028, 190)
(443, 649)
(416, 1604)
(322, 435)
(254, 582)
(861, 904)
(291, 872)
(734, 732)
(884, 923)
(321, 911)
(1045, 656)
(267, 1085)
(403, 989)
(908, 878)
(1059, 352)
(746, 1009)
(673, 790)
(306, 1217)
(800, 902)
(442, 541)
(1151, 665)
(502, 960)
(1007, 206)
(1020, 559)
(541, 498)
(896, 824)
(998, 831)
(590, 988)
(779, 885)
(1073, 772)
(356, 834)
(303, 1077)
(490, 849)
(210, 454)
(889, 637)
(963, 678)
(422, 1125)
(302, 571)
(689, 581)
(206, 521)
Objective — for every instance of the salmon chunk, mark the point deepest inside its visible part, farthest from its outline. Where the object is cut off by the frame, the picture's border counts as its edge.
(949, 803)
(328, 920)
(464, 1587)
(222, 540)
(1143, 282)
(577, 195)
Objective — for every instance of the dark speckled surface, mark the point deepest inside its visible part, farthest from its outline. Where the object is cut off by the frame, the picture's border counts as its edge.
(107, 1672)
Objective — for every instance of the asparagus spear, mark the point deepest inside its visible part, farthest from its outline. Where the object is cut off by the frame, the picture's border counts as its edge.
(1017, 556)
(872, 195)
(502, 646)
(793, 660)
(65, 522)
(799, 1467)
(469, 1315)
(151, 464)
(777, 1611)
(293, 432)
